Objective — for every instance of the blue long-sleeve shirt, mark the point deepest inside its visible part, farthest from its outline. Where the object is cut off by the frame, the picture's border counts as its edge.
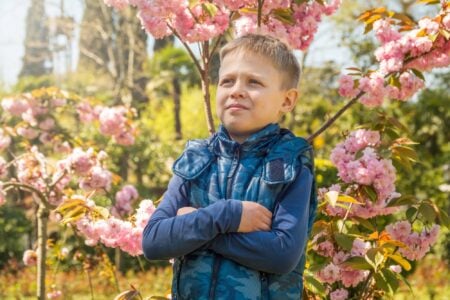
(168, 235)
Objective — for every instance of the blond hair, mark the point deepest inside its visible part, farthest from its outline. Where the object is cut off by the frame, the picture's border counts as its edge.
(277, 52)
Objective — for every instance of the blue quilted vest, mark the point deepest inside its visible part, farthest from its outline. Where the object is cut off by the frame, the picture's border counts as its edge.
(258, 170)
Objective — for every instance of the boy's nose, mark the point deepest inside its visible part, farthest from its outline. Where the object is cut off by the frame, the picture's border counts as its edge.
(238, 91)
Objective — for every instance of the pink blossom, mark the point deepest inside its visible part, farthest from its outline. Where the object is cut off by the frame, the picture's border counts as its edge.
(384, 31)
(86, 112)
(80, 161)
(325, 248)
(54, 294)
(111, 120)
(359, 247)
(15, 106)
(346, 87)
(430, 26)
(351, 278)
(124, 199)
(446, 21)
(118, 4)
(329, 274)
(98, 178)
(5, 140)
(47, 124)
(395, 268)
(2, 195)
(417, 245)
(3, 168)
(339, 294)
(236, 4)
(27, 132)
(340, 257)
(29, 258)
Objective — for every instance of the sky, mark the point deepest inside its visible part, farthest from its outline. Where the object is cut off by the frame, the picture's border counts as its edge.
(12, 34)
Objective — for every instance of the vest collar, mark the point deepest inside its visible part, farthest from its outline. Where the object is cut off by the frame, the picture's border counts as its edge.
(257, 143)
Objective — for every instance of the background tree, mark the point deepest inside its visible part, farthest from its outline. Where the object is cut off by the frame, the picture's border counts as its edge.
(37, 58)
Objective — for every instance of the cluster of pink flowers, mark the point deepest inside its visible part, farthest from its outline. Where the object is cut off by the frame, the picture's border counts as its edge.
(368, 169)
(423, 49)
(88, 166)
(113, 121)
(5, 139)
(193, 23)
(113, 232)
(29, 258)
(299, 35)
(335, 271)
(208, 19)
(339, 294)
(35, 113)
(54, 294)
(2, 195)
(416, 244)
(124, 199)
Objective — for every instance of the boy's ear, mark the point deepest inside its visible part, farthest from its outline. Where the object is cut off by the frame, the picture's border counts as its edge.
(290, 99)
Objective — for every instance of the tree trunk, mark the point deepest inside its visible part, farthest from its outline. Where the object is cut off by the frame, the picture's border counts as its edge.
(205, 89)
(177, 108)
(42, 218)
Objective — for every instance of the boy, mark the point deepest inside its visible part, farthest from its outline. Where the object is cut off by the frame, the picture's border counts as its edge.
(240, 204)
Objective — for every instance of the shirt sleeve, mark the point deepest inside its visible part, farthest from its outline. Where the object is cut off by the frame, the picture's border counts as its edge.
(279, 250)
(168, 235)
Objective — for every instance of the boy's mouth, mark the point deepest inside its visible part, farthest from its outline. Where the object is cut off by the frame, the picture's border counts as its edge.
(236, 106)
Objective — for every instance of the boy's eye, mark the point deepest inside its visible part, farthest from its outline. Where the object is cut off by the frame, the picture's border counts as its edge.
(225, 81)
(254, 81)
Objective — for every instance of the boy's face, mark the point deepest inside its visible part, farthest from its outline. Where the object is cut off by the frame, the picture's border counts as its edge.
(250, 94)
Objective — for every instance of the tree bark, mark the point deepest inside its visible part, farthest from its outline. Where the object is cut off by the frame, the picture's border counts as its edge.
(177, 108)
(42, 219)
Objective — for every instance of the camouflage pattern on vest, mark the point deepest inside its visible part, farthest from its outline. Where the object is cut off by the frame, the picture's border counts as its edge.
(218, 168)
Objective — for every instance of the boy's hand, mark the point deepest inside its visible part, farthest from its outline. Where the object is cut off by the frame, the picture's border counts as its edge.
(185, 210)
(255, 217)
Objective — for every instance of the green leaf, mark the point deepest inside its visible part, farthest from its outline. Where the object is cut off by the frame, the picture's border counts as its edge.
(397, 124)
(381, 282)
(405, 152)
(428, 212)
(391, 279)
(344, 241)
(445, 33)
(401, 261)
(366, 223)
(358, 263)
(210, 8)
(348, 199)
(429, 2)
(405, 281)
(403, 200)
(418, 74)
(410, 212)
(368, 28)
(370, 192)
(443, 217)
(314, 285)
(285, 15)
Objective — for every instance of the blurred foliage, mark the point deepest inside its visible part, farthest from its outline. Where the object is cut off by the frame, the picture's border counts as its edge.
(14, 226)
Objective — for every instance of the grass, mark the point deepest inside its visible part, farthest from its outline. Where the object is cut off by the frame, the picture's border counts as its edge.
(428, 282)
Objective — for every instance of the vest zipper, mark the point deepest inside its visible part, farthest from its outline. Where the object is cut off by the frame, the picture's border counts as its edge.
(264, 286)
(217, 257)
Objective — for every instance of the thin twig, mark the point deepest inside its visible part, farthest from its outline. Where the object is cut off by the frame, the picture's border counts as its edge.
(334, 118)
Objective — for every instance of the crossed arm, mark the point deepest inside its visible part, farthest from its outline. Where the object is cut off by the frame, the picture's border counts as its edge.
(242, 231)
